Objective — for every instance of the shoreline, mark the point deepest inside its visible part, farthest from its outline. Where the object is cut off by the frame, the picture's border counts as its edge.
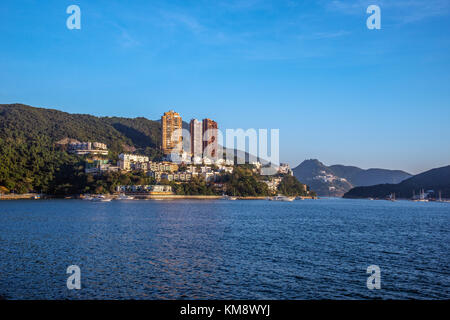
(30, 196)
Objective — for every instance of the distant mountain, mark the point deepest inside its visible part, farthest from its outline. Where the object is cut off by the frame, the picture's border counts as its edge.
(436, 179)
(369, 177)
(336, 180)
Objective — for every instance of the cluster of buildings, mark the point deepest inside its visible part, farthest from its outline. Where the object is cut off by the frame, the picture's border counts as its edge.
(328, 177)
(166, 170)
(284, 168)
(202, 160)
(130, 162)
(97, 166)
(273, 183)
(203, 139)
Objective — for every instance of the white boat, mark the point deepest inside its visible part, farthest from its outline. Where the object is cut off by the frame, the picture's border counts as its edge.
(282, 198)
(391, 197)
(227, 197)
(123, 196)
(421, 198)
(101, 198)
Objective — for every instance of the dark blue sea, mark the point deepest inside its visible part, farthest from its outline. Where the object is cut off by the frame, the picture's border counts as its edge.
(311, 249)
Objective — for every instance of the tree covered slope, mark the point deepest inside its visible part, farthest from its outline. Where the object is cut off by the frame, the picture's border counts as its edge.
(31, 158)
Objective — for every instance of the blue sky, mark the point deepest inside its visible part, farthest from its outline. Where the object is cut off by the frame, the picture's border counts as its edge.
(336, 90)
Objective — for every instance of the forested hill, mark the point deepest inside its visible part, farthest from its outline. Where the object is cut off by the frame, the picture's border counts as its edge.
(436, 179)
(19, 121)
(30, 157)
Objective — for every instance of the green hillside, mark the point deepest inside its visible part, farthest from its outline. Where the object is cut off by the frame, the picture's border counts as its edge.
(32, 160)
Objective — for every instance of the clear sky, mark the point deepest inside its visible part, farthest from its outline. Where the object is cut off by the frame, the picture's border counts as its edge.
(336, 90)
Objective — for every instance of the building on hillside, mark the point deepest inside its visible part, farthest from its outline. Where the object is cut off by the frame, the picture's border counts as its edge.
(83, 148)
(171, 126)
(226, 169)
(273, 183)
(210, 176)
(196, 132)
(284, 168)
(177, 177)
(197, 160)
(99, 166)
(155, 174)
(205, 169)
(164, 166)
(207, 161)
(132, 162)
(229, 162)
(182, 157)
(146, 189)
(210, 139)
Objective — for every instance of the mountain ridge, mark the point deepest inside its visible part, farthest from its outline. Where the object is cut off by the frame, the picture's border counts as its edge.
(336, 180)
(437, 179)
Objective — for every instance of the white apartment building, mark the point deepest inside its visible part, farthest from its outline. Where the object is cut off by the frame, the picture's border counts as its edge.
(196, 131)
(83, 148)
(284, 168)
(127, 161)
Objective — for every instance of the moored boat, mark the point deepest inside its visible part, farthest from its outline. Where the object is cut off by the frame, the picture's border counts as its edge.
(123, 196)
(101, 198)
(281, 198)
(227, 197)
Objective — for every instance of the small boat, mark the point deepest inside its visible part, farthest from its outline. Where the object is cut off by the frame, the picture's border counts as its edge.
(391, 197)
(123, 196)
(101, 198)
(227, 197)
(421, 198)
(281, 198)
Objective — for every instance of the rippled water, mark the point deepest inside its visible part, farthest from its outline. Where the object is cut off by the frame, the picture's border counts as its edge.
(224, 249)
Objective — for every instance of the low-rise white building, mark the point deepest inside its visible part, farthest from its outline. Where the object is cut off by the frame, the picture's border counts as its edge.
(83, 148)
(272, 184)
(132, 162)
(284, 168)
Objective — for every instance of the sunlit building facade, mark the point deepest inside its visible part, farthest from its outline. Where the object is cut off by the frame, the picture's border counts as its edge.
(210, 131)
(171, 125)
(196, 133)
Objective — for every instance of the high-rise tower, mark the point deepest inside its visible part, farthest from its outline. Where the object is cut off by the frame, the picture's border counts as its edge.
(196, 138)
(209, 138)
(171, 125)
